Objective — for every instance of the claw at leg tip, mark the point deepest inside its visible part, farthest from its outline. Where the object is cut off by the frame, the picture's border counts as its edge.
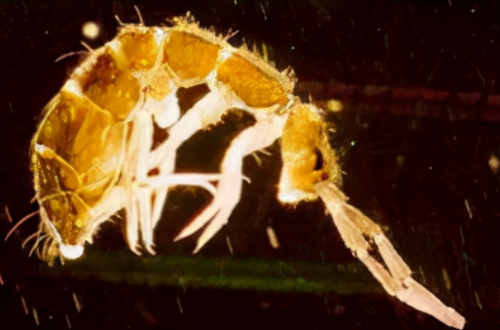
(196, 249)
(135, 249)
(183, 234)
(151, 249)
(179, 237)
(200, 243)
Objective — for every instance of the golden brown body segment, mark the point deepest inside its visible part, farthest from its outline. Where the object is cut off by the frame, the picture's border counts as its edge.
(93, 152)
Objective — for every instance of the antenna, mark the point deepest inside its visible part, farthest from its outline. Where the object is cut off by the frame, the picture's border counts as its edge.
(139, 14)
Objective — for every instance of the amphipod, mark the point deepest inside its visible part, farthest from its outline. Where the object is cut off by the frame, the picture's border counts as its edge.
(93, 152)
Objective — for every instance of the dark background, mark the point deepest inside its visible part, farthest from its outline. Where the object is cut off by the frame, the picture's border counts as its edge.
(420, 84)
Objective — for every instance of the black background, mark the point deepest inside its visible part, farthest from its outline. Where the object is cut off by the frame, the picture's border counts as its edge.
(411, 171)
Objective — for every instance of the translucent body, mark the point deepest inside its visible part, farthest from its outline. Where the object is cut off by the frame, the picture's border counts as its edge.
(88, 141)
(93, 154)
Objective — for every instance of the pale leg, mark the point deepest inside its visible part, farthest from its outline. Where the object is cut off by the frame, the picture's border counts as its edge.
(185, 179)
(132, 226)
(352, 226)
(207, 111)
(136, 199)
(141, 187)
(143, 194)
(254, 138)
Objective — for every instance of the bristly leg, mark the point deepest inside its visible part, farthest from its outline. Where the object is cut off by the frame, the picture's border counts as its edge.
(254, 138)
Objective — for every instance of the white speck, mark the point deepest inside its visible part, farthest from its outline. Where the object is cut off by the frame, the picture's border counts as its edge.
(273, 240)
(179, 304)
(90, 30)
(7, 213)
(229, 245)
(478, 300)
(263, 11)
(71, 251)
(467, 206)
(68, 322)
(430, 168)
(353, 143)
(334, 105)
(494, 164)
(473, 10)
(422, 274)
(35, 316)
(77, 302)
(400, 160)
(293, 47)
(25, 307)
(446, 278)
(46, 32)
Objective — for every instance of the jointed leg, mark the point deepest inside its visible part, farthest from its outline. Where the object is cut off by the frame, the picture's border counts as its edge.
(142, 195)
(185, 179)
(254, 138)
(207, 111)
(135, 168)
(135, 175)
(353, 226)
(132, 226)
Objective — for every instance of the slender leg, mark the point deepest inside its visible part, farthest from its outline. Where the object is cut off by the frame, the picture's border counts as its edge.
(132, 227)
(141, 187)
(352, 226)
(185, 179)
(207, 111)
(144, 123)
(254, 138)
(131, 168)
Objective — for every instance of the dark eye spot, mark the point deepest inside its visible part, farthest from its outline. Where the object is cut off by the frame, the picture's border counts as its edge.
(319, 160)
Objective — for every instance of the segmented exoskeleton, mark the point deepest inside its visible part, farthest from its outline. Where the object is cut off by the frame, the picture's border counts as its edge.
(94, 153)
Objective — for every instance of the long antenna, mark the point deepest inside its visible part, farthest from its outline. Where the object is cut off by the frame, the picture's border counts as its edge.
(140, 16)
